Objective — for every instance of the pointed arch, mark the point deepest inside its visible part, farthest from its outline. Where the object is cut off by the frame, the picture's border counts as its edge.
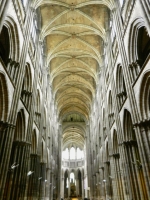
(144, 97)
(27, 86)
(12, 31)
(115, 142)
(4, 101)
(139, 44)
(120, 85)
(34, 142)
(19, 134)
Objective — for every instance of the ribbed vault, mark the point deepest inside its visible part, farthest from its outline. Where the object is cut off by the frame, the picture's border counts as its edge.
(75, 33)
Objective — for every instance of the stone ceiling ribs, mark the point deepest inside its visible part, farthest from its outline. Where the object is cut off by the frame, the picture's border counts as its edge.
(74, 31)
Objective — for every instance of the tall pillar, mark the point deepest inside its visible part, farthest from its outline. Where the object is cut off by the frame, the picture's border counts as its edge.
(47, 184)
(6, 137)
(51, 185)
(102, 185)
(62, 187)
(77, 187)
(85, 187)
(69, 186)
(59, 181)
(82, 187)
(42, 183)
(32, 185)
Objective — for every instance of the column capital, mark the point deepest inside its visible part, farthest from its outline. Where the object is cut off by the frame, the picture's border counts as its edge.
(5, 125)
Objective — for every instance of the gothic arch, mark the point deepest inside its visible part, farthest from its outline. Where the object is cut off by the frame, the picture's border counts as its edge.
(18, 155)
(45, 117)
(104, 123)
(110, 109)
(34, 142)
(136, 41)
(128, 126)
(133, 159)
(144, 97)
(106, 151)
(110, 104)
(14, 53)
(20, 127)
(48, 157)
(43, 152)
(4, 45)
(9, 47)
(120, 85)
(4, 101)
(115, 142)
(38, 102)
(27, 78)
(27, 85)
(101, 157)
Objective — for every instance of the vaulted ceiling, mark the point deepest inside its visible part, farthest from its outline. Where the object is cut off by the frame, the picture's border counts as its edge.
(75, 32)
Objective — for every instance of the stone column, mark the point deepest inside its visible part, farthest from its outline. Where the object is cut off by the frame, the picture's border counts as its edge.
(102, 188)
(77, 187)
(62, 187)
(86, 192)
(97, 185)
(47, 184)
(6, 137)
(42, 183)
(142, 133)
(59, 162)
(68, 185)
(51, 185)
(82, 187)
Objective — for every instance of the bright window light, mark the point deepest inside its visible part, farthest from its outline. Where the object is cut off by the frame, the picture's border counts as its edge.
(25, 2)
(72, 177)
(65, 154)
(121, 3)
(72, 153)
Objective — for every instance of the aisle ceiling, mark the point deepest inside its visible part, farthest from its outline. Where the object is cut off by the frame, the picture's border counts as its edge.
(74, 31)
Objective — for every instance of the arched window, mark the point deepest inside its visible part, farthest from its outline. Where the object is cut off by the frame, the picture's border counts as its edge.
(104, 125)
(121, 88)
(72, 153)
(26, 86)
(25, 2)
(65, 154)
(80, 153)
(44, 125)
(72, 179)
(4, 45)
(3, 98)
(19, 134)
(139, 47)
(34, 142)
(144, 101)
(37, 109)
(110, 110)
(9, 47)
(143, 45)
(121, 3)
